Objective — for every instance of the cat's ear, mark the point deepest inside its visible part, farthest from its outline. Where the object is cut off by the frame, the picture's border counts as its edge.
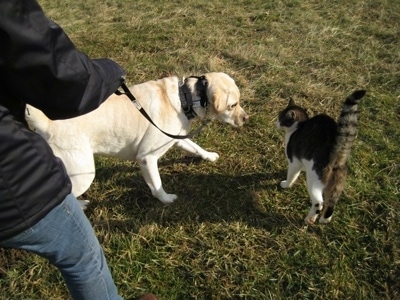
(291, 114)
(291, 102)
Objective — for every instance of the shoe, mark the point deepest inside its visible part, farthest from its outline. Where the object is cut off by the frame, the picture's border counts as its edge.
(148, 296)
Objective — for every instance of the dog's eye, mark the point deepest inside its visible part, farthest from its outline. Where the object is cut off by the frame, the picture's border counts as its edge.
(233, 106)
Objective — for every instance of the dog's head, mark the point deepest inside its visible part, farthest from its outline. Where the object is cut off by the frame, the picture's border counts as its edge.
(223, 99)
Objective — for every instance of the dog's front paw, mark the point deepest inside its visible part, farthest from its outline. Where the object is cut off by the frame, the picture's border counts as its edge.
(284, 184)
(168, 198)
(211, 156)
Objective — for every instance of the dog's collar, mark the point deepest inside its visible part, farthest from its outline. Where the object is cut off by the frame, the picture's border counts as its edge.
(186, 96)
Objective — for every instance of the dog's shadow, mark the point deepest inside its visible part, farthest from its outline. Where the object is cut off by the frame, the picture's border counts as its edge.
(210, 197)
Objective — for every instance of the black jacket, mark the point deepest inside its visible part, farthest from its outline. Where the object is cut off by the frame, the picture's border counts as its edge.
(39, 65)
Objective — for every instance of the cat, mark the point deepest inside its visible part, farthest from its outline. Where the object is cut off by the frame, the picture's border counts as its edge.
(320, 147)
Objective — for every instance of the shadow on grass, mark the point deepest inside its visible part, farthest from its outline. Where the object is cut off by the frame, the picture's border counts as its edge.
(212, 197)
(8, 257)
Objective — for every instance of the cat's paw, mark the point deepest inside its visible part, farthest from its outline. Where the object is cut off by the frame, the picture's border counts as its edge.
(322, 220)
(284, 184)
(310, 220)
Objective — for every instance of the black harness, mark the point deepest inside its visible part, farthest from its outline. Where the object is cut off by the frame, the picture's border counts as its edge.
(186, 96)
(187, 104)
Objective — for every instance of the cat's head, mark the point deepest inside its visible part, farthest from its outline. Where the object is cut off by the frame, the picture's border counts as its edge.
(291, 116)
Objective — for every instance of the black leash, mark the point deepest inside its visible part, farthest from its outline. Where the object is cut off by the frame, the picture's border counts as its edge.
(128, 93)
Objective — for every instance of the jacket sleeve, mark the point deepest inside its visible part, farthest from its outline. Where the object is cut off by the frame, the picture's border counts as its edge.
(40, 65)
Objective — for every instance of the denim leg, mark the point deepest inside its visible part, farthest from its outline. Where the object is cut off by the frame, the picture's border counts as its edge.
(66, 238)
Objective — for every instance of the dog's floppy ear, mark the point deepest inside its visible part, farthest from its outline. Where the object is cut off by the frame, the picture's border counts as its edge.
(219, 101)
(221, 92)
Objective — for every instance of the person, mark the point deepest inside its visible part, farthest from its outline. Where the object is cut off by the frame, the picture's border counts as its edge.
(40, 65)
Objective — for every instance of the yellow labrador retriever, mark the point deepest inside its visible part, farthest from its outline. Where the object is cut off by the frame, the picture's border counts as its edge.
(118, 129)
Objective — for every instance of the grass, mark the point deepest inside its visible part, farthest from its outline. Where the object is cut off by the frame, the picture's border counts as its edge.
(232, 234)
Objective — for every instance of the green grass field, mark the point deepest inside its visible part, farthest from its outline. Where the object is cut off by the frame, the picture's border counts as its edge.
(233, 234)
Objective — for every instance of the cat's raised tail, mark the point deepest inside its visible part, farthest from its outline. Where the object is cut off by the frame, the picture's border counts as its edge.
(347, 128)
(336, 172)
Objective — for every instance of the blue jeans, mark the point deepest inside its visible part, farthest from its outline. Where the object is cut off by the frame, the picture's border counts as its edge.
(66, 238)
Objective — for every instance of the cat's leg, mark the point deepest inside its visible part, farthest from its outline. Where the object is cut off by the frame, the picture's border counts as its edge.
(293, 173)
(327, 216)
(315, 190)
(331, 198)
(332, 194)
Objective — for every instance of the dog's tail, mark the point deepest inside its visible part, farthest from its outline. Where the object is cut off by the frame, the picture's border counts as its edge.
(36, 119)
(337, 169)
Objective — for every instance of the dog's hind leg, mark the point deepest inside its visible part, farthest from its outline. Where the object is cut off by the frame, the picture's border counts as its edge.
(80, 167)
(149, 168)
(191, 147)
